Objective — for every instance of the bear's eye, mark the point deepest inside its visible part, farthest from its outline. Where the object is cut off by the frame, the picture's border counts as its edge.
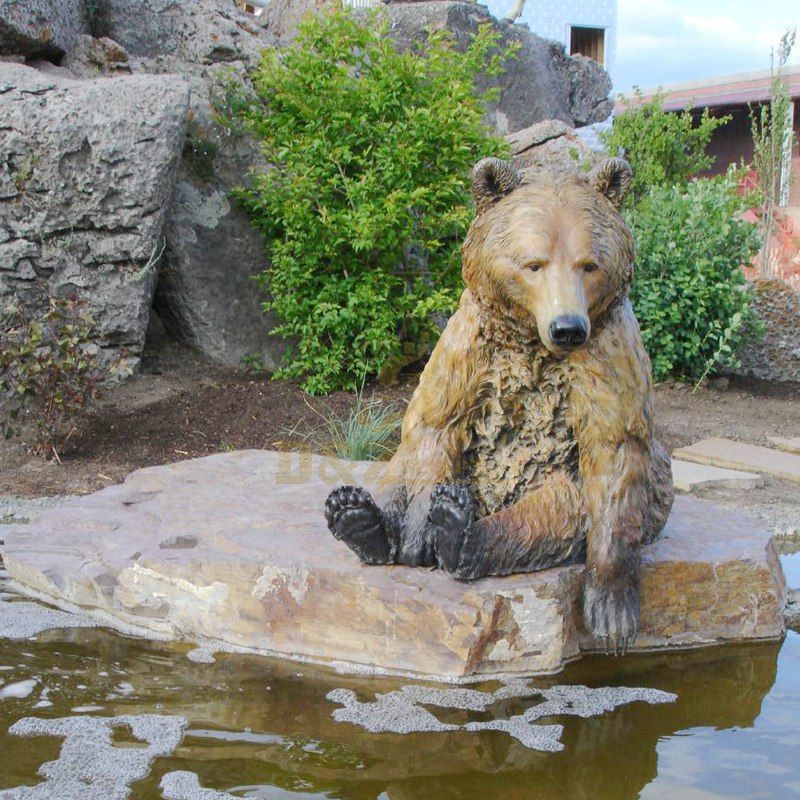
(590, 266)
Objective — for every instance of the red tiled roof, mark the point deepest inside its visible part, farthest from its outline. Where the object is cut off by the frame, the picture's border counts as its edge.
(728, 90)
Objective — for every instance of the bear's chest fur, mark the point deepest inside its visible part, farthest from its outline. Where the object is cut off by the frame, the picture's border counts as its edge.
(518, 433)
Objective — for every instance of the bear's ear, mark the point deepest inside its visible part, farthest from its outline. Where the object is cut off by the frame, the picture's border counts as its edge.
(492, 178)
(612, 179)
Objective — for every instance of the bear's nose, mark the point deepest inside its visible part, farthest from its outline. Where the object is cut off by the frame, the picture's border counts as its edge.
(568, 331)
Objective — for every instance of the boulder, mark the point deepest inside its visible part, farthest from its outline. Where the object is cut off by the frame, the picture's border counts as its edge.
(553, 145)
(542, 83)
(590, 87)
(183, 35)
(40, 28)
(86, 178)
(232, 550)
(280, 18)
(206, 294)
(91, 57)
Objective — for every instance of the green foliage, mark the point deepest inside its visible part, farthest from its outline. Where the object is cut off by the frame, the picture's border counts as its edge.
(48, 372)
(363, 433)
(662, 148)
(367, 203)
(200, 152)
(689, 292)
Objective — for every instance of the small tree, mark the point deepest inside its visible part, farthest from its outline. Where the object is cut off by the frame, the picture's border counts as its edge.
(48, 372)
(663, 148)
(367, 200)
(772, 144)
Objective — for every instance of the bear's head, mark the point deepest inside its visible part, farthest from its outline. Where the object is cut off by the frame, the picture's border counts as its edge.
(549, 251)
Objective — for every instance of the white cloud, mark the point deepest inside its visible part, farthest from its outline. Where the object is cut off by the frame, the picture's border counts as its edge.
(661, 42)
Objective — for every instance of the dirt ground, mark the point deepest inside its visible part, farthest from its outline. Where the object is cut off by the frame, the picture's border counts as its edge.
(186, 407)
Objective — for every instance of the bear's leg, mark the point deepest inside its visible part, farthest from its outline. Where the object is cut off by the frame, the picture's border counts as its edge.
(416, 535)
(544, 529)
(627, 502)
(354, 518)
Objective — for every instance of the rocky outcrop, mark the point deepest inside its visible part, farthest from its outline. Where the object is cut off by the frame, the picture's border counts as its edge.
(40, 28)
(90, 57)
(86, 176)
(541, 83)
(281, 18)
(590, 86)
(183, 36)
(550, 145)
(775, 356)
(233, 550)
(206, 293)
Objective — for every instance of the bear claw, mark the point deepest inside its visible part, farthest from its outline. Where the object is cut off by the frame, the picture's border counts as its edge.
(353, 518)
(451, 515)
(612, 616)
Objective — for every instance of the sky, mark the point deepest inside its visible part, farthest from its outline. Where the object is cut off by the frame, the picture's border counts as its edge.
(663, 42)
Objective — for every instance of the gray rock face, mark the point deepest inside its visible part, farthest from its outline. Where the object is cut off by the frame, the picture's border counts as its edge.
(39, 28)
(91, 57)
(280, 18)
(206, 293)
(550, 145)
(86, 178)
(184, 35)
(542, 83)
(589, 89)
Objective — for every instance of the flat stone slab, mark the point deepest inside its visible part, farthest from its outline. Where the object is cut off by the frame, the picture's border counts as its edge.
(736, 455)
(232, 550)
(791, 444)
(688, 476)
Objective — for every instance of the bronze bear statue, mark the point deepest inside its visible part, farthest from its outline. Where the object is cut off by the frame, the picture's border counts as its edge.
(528, 442)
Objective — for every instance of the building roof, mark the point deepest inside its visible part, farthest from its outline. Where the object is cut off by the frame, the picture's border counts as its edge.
(726, 90)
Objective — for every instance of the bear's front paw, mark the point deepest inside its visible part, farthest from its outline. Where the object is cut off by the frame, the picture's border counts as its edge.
(612, 615)
(450, 516)
(354, 518)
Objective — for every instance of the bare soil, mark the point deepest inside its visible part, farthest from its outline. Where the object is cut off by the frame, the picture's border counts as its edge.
(184, 407)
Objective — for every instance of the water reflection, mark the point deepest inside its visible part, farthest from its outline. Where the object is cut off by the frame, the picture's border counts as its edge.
(266, 727)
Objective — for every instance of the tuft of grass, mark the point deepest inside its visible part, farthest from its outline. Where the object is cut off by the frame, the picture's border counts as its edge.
(364, 433)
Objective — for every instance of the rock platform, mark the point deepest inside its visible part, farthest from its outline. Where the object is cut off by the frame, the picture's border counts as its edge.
(232, 551)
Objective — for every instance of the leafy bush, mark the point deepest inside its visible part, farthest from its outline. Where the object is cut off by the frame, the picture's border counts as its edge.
(48, 372)
(662, 148)
(689, 292)
(367, 202)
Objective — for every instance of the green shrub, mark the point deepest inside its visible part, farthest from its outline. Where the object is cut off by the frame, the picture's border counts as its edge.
(48, 372)
(662, 148)
(367, 202)
(689, 291)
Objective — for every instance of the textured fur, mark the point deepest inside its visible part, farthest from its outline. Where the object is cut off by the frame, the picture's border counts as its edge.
(550, 452)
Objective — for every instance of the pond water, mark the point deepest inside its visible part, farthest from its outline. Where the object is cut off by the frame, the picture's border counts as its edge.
(251, 727)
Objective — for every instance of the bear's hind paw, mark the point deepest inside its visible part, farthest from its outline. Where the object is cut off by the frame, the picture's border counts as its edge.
(450, 516)
(612, 616)
(353, 518)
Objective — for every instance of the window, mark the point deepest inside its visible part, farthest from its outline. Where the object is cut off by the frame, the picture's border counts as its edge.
(588, 42)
